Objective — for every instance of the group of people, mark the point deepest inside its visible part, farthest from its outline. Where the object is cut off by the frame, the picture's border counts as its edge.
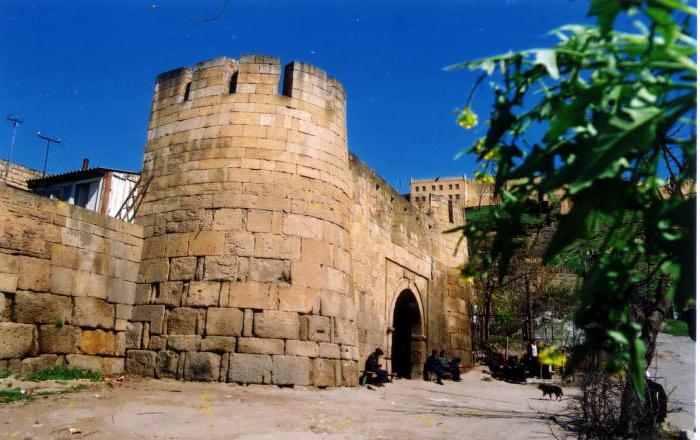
(442, 368)
(516, 369)
(436, 364)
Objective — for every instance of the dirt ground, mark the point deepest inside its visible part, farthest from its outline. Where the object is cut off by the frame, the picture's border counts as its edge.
(674, 368)
(152, 409)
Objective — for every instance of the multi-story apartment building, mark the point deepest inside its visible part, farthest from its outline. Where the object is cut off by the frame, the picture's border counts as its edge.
(462, 191)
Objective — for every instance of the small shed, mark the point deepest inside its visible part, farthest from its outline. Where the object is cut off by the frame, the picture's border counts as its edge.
(102, 190)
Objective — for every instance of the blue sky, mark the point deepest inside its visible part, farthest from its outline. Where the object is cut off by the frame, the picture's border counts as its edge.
(83, 70)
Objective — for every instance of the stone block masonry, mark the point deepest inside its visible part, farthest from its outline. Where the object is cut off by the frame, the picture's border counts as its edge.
(68, 278)
(263, 252)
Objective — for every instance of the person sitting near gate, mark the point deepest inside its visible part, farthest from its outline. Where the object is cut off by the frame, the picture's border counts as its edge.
(429, 366)
(372, 365)
(442, 367)
(454, 369)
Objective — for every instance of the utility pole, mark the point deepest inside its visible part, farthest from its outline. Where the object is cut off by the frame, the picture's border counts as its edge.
(48, 145)
(15, 122)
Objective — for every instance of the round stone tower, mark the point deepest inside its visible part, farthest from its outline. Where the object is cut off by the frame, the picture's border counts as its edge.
(246, 265)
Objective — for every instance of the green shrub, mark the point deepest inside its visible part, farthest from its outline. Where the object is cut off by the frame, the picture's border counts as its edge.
(4, 374)
(676, 327)
(64, 373)
(7, 396)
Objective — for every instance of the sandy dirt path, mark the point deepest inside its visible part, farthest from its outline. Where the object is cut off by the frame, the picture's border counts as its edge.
(674, 368)
(151, 409)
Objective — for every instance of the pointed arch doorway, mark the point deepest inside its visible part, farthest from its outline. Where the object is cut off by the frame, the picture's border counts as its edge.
(407, 338)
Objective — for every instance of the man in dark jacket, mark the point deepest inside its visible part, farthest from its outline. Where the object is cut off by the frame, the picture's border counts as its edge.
(430, 364)
(372, 365)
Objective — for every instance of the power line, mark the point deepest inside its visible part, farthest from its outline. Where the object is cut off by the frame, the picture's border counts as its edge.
(15, 122)
(48, 145)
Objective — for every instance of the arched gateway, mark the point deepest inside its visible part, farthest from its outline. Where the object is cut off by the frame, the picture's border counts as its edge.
(407, 339)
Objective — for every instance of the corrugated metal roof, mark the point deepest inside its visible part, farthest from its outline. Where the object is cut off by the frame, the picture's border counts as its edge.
(74, 175)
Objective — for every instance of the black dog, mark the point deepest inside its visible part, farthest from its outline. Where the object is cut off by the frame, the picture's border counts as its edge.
(551, 389)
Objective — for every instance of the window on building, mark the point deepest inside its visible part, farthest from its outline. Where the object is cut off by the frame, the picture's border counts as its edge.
(424, 198)
(440, 187)
(433, 187)
(450, 214)
(450, 186)
(187, 91)
(423, 188)
(450, 196)
(86, 195)
(418, 188)
(233, 83)
(456, 185)
(417, 199)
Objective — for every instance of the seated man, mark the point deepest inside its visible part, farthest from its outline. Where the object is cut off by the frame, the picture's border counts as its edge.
(430, 364)
(442, 368)
(454, 369)
(372, 365)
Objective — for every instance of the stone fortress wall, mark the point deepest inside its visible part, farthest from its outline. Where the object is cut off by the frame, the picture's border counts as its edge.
(67, 284)
(270, 254)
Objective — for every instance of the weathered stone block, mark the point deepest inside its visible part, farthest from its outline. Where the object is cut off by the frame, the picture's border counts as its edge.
(252, 295)
(293, 298)
(34, 274)
(133, 335)
(166, 364)
(141, 363)
(350, 374)
(276, 324)
(338, 305)
(42, 308)
(269, 270)
(316, 251)
(241, 244)
(59, 339)
(260, 346)
(203, 293)
(17, 340)
(224, 321)
(319, 328)
(207, 243)
(182, 321)
(123, 311)
(344, 332)
(308, 274)
(302, 226)
(218, 344)
(301, 348)
(93, 312)
(183, 342)
(202, 366)
(249, 368)
(157, 343)
(248, 317)
(153, 314)
(351, 353)
(104, 365)
(32, 365)
(323, 374)
(155, 270)
(290, 370)
(120, 338)
(221, 267)
(277, 246)
(169, 294)
(182, 269)
(98, 342)
(327, 350)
